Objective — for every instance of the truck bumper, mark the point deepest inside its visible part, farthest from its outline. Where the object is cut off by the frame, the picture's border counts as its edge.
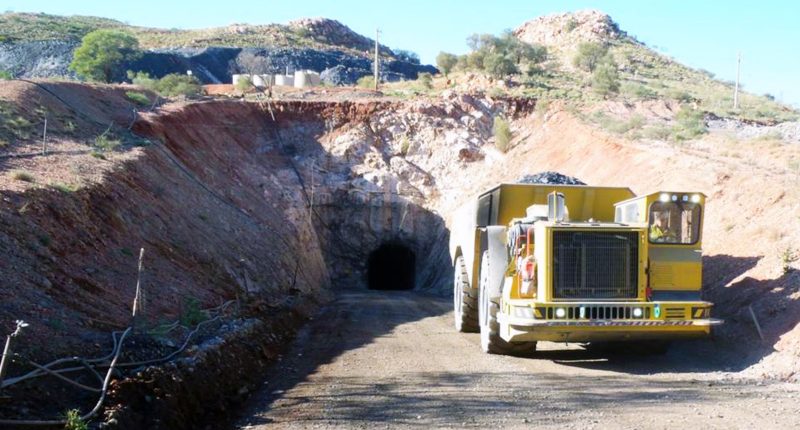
(522, 329)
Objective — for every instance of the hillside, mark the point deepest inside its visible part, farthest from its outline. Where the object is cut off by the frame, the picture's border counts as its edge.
(41, 46)
(317, 33)
(645, 77)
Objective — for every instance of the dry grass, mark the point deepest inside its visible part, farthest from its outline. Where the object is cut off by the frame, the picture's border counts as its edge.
(23, 176)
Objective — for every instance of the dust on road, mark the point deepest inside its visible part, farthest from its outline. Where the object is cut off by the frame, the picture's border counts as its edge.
(392, 360)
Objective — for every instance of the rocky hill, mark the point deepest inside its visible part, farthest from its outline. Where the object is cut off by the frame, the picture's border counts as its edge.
(40, 45)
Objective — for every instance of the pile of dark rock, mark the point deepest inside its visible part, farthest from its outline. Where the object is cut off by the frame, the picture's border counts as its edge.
(550, 178)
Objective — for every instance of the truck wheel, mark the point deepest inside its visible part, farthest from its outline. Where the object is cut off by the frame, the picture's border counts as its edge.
(491, 342)
(465, 303)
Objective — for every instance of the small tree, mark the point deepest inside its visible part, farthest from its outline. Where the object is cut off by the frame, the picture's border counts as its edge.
(102, 50)
(589, 56)
(244, 84)
(254, 64)
(605, 78)
(502, 134)
(499, 65)
(426, 80)
(445, 61)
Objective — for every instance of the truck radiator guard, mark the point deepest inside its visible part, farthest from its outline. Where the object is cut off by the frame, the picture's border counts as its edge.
(595, 265)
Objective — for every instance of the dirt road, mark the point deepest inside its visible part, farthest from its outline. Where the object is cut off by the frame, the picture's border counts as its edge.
(392, 360)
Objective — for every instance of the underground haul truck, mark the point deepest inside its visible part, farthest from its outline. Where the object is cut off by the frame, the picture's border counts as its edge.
(573, 263)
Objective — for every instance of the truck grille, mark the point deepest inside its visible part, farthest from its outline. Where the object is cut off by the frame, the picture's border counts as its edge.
(595, 265)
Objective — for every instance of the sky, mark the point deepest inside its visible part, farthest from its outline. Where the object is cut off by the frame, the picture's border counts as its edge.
(705, 34)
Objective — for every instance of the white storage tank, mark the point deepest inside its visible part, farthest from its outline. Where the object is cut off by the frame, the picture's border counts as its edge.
(284, 80)
(258, 81)
(235, 78)
(300, 79)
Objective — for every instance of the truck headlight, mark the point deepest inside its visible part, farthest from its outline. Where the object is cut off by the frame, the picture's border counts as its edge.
(664, 197)
(560, 313)
(637, 312)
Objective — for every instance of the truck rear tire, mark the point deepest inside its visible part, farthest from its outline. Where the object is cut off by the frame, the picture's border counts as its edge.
(465, 302)
(489, 306)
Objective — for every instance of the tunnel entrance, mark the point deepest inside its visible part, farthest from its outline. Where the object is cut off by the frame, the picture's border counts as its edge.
(391, 267)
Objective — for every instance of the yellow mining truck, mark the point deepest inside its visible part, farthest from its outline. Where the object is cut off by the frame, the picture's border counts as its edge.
(572, 263)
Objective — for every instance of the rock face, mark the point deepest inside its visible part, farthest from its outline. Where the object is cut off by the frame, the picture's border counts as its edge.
(335, 33)
(38, 59)
(569, 29)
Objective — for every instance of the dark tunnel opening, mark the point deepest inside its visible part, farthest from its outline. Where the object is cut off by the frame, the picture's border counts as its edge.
(391, 267)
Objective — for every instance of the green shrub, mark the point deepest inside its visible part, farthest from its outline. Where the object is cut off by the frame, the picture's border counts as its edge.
(5, 75)
(605, 78)
(502, 134)
(171, 85)
(244, 84)
(788, 256)
(618, 126)
(74, 421)
(689, 124)
(589, 56)
(191, 314)
(176, 84)
(138, 98)
(100, 51)
(680, 95)
(366, 82)
(64, 188)
(425, 80)
(638, 91)
(499, 65)
(405, 144)
(658, 132)
(445, 61)
(105, 143)
(302, 32)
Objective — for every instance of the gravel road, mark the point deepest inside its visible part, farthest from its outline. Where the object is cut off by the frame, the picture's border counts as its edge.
(392, 360)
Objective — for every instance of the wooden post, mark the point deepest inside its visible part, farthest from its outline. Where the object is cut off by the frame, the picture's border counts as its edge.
(139, 313)
(755, 320)
(44, 137)
(7, 349)
(4, 361)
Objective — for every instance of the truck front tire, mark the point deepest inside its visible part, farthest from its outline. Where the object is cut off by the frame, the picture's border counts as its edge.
(489, 305)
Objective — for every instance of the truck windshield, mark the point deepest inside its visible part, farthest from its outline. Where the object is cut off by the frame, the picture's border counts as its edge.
(674, 222)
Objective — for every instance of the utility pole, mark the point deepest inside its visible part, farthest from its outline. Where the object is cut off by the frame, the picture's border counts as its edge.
(736, 89)
(377, 59)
